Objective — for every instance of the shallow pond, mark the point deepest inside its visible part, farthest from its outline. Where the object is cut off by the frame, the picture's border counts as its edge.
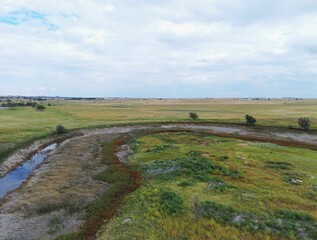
(16, 177)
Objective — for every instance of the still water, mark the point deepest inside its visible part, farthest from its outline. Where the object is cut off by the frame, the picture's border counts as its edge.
(16, 177)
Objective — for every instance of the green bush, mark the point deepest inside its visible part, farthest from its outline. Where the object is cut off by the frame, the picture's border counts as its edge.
(250, 120)
(220, 213)
(193, 115)
(171, 202)
(60, 129)
(304, 123)
(193, 168)
(40, 107)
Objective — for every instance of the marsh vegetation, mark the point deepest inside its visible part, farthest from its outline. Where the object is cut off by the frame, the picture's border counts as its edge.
(200, 193)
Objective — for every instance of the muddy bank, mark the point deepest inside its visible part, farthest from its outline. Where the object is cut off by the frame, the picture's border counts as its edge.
(281, 137)
(16, 177)
(53, 200)
(20, 156)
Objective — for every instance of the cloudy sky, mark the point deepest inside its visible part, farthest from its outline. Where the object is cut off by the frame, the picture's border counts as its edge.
(159, 48)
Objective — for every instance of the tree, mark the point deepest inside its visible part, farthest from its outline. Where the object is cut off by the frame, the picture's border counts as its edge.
(60, 129)
(304, 123)
(193, 115)
(250, 120)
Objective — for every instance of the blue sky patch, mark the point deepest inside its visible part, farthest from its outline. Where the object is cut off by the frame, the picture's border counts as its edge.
(23, 15)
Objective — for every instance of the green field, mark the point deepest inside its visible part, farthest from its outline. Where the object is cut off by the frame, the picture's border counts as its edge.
(24, 124)
(198, 186)
(175, 185)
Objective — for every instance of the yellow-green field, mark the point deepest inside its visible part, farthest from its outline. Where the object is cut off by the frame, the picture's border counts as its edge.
(198, 186)
(18, 125)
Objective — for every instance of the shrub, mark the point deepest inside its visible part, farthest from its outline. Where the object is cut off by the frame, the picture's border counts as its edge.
(304, 123)
(293, 215)
(60, 129)
(250, 120)
(171, 202)
(40, 107)
(193, 115)
(289, 223)
(221, 213)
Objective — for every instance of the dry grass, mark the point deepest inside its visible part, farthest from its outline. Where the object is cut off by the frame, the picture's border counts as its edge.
(61, 188)
(63, 183)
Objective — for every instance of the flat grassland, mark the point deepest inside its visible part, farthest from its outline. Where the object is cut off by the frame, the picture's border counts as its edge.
(25, 124)
(194, 185)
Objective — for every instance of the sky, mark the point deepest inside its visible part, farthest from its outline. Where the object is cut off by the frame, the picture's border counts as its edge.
(159, 48)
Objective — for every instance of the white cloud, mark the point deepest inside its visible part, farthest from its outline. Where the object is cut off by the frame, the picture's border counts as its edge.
(141, 47)
(184, 29)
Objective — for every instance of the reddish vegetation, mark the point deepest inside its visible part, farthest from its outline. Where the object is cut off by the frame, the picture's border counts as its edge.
(95, 222)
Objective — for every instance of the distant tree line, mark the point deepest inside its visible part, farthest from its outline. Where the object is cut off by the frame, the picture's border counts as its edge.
(19, 104)
(10, 104)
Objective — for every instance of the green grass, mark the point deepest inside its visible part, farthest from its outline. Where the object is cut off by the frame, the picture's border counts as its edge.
(24, 124)
(198, 186)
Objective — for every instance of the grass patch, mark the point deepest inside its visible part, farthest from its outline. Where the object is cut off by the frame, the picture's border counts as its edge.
(55, 225)
(216, 184)
(283, 222)
(212, 198)
(278, 165)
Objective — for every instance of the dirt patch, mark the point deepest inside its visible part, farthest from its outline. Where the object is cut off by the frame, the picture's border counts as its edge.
(124, 152)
